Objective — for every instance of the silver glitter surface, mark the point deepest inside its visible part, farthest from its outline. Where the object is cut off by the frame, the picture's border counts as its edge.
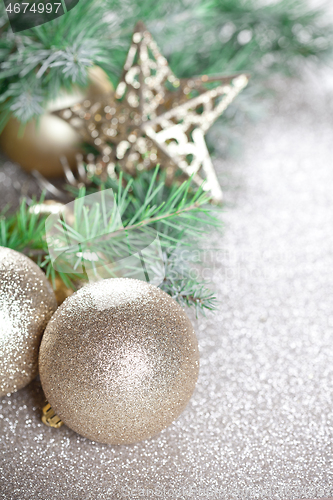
(260, 422)
(119, 361)
(27, 302)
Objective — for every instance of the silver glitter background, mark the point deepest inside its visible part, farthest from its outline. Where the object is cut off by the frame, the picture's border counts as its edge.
(260, 422)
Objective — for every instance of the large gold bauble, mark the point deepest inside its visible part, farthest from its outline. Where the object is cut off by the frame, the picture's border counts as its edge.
(119, 361)
(27, 302)
(43, 143)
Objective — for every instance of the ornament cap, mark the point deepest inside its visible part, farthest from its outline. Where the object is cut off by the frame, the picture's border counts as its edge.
(49, 417)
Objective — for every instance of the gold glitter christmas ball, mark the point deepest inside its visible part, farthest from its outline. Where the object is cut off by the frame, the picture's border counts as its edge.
(119, 361)
(27, 302)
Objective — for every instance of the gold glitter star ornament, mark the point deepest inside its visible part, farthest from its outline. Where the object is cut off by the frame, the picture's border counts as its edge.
(118, 361)
(154, 117)
(27, 302)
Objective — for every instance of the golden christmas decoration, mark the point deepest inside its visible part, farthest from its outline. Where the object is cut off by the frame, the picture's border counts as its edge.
(61, 291)
(118, 361)
(49, 418)
(27, 302)
(154, 117)
(43, 143)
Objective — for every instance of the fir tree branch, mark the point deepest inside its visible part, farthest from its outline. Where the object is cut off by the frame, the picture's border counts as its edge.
(203, 36)
(178, 215)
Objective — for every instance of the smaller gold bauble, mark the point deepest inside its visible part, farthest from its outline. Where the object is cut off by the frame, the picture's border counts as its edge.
(119, 361)
(27, 302)
(43, 143)
(99, 83)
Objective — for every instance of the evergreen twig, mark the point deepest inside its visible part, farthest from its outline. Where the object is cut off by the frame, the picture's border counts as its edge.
(179, 215)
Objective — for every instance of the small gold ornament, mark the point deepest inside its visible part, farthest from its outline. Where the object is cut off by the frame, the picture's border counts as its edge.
(45, 141)
(26, 304)
(154, 117)
(119, 361)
